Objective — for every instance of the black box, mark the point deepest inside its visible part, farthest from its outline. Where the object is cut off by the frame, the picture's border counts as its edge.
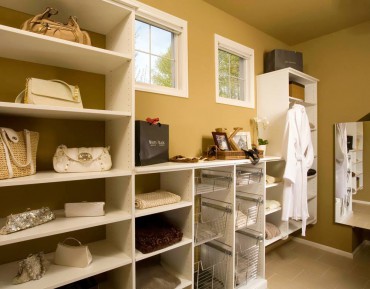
(151, 143)
(279, 59)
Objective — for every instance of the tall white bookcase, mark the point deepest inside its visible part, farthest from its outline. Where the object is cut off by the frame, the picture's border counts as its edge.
(112, 254)
(273, 102)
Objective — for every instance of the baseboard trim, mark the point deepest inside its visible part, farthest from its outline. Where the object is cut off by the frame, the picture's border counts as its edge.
(326, 248)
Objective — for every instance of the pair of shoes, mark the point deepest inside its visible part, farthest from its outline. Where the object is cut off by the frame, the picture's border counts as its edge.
(252, 155)
(182, 159)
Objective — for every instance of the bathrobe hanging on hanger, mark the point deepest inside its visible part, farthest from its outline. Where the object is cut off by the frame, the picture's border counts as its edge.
(299, 156)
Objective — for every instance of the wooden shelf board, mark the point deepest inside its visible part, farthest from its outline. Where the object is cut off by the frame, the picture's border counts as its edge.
(273, 240)
(105, 258)
(58, 112)
(53, 177)
(62, 224)
(37, 48)
(273, 185)
(164, 208)
(268, 212)
(300, 101)
(173, 166)
(140, 256)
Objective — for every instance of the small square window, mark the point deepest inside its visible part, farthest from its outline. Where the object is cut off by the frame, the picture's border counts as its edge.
(161, 59)
(234, 73)
(154, 62)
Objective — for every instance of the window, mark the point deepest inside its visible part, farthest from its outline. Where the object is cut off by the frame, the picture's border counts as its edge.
(160, 53)
(234, 73)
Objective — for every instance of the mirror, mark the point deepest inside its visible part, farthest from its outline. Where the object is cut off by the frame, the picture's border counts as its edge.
(352, 174)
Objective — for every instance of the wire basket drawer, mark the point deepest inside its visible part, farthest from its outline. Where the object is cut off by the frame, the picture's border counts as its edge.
(247, 257)
(247, 211)
(212, 180)
(210, 222)
(210, 272)
(248, 176)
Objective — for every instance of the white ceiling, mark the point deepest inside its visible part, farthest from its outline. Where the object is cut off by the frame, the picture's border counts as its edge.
(296, 21)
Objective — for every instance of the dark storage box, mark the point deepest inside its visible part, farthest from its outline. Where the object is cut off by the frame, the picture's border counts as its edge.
(296, 90)
(279, 59)
(151, 143)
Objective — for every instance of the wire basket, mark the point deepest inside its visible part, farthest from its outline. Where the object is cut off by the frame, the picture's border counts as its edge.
(247, 257)
(248, 176)
(210, 222)
(210, 272)
(210, 181)
(247, 211)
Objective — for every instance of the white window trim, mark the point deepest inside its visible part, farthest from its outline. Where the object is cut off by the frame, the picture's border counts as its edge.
(246, 53)
(179, 27)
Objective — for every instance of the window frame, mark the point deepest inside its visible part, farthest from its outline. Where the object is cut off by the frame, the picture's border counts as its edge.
(178, 27)
(247, 54)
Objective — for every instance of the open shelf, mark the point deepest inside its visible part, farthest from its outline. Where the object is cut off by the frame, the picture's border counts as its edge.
(300, 101)
(58, 112)
(37, 48)
(160, 209)
(141, 256)
(268, 212)
(273, 185)
(62, 224)
(273, 240)
(53, 177)
(105, 258)
(297, 225)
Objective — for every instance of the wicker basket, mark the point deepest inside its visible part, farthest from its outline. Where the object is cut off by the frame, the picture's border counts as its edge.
(230, 155)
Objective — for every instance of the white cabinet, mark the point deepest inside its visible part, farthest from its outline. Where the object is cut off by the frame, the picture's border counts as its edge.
(111, 125)
(273, 101)
(227, 212)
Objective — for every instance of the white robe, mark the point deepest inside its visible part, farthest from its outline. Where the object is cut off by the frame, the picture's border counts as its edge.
(298, 154)
(341, 161)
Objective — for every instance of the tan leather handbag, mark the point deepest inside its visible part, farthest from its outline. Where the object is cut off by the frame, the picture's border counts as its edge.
(42, 24)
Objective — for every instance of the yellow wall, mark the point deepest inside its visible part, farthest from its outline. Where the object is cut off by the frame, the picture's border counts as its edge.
(193, 119)
(341, 61)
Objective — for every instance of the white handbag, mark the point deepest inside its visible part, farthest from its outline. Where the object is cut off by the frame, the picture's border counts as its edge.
(50, 92)
(84, 209)
(71, 255)
(78, 160)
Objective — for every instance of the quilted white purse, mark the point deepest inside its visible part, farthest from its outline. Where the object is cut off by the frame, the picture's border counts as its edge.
(79, 160)
(50, 92)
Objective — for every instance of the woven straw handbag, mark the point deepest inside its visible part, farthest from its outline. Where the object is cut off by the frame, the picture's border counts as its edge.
(17, 153)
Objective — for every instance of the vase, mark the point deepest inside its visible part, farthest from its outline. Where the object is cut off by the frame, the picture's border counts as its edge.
(262, 148)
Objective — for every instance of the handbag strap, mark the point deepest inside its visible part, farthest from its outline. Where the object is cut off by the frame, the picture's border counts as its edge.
(28, 149)
(74, 91)
(72, 239)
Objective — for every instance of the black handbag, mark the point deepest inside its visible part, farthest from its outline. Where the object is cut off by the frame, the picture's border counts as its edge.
(151, 143)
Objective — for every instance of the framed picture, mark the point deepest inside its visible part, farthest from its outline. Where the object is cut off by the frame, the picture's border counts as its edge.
(221, 141)
(243, 140)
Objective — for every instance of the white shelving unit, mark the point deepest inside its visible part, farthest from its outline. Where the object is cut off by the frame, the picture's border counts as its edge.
(114, 252)
(273, 103)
